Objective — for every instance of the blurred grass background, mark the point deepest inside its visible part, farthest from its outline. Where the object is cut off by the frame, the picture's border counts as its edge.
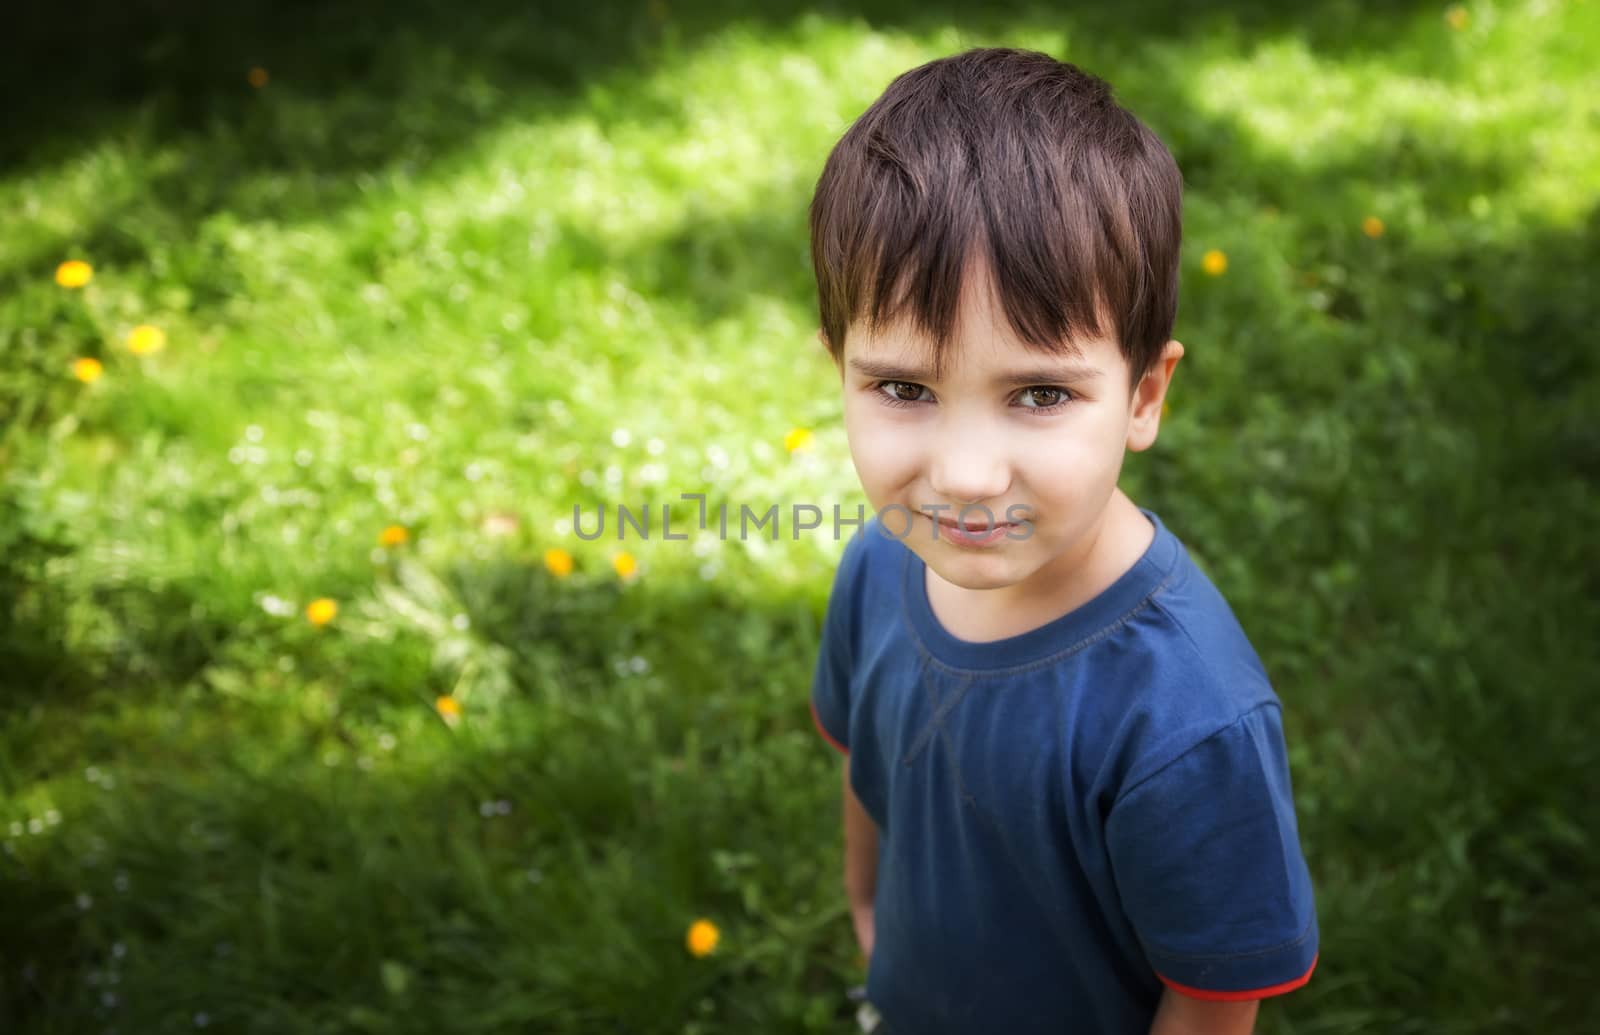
(453, 270)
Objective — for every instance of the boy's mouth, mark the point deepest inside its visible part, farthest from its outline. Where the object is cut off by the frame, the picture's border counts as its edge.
(969, 527)
(979, 527)
(982, 533)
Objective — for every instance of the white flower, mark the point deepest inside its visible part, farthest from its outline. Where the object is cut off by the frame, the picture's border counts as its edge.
(276, 605)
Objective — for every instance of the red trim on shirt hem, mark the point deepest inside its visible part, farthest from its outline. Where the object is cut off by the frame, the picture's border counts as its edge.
(824, 732)
(1235, 997)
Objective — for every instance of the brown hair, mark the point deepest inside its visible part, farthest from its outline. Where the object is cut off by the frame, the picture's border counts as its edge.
(1014, 157)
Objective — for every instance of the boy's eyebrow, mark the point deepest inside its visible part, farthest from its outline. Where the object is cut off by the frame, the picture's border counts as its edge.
(1015, 379)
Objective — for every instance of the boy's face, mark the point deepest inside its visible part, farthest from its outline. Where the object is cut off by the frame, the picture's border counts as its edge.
(1007, 427)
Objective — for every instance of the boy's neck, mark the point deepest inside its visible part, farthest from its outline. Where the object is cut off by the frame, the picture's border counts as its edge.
(1104, 554)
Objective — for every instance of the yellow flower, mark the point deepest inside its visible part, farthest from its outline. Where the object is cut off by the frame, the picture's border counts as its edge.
(146, 338)
(1456, 17)
(1214, 263)
(797, 439)
(321, 611)
(558, 562)
(1372, 226)
(87, 369)
(626, 566)
(258, 77)
(703, 937)
(1166, 408)
(74, 273)
(448, 707)
(394, 535)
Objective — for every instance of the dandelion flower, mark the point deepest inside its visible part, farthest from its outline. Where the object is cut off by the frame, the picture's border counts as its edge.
(1214, 263)
(394, 535)
(558, 562)
(625, 565)
(797, 439)
(448, 707)
(258, 77)
(74, 273)
(703, 937)
(321, 611)
(1456, 17)
(1372, 226)
(87, 370)
(146, 338)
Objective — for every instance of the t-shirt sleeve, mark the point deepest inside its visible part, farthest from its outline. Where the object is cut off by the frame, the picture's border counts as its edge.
(1206, 857)
(830, 683)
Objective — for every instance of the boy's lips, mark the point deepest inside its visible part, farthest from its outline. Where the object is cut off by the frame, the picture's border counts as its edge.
(980, 527)
(957, 535)
(969, 535)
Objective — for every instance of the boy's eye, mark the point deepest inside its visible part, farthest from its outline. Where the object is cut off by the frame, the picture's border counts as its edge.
(1043, 397)
(901, 391)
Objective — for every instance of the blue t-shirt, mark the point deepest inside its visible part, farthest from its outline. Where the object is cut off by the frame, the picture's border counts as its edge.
(1071, 817)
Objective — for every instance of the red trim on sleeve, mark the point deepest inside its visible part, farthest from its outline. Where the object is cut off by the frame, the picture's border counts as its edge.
(825, 734)
(1235, 997)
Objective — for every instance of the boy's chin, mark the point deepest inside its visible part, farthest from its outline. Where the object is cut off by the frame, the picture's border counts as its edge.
(972, 569)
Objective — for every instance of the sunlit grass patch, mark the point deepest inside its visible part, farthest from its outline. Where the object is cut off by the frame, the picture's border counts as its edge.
(318, 708)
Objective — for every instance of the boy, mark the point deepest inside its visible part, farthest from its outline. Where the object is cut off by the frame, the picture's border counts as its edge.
(1067, 804)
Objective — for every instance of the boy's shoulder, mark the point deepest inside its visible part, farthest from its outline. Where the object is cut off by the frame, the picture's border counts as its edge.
(1197, 671)
(871, 560)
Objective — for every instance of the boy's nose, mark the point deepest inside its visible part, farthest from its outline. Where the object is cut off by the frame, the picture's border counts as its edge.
(968, 471)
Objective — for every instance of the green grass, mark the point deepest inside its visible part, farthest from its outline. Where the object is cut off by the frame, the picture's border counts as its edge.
(428, 273)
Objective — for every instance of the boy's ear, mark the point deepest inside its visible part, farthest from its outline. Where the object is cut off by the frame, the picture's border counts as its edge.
(1148, 397)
